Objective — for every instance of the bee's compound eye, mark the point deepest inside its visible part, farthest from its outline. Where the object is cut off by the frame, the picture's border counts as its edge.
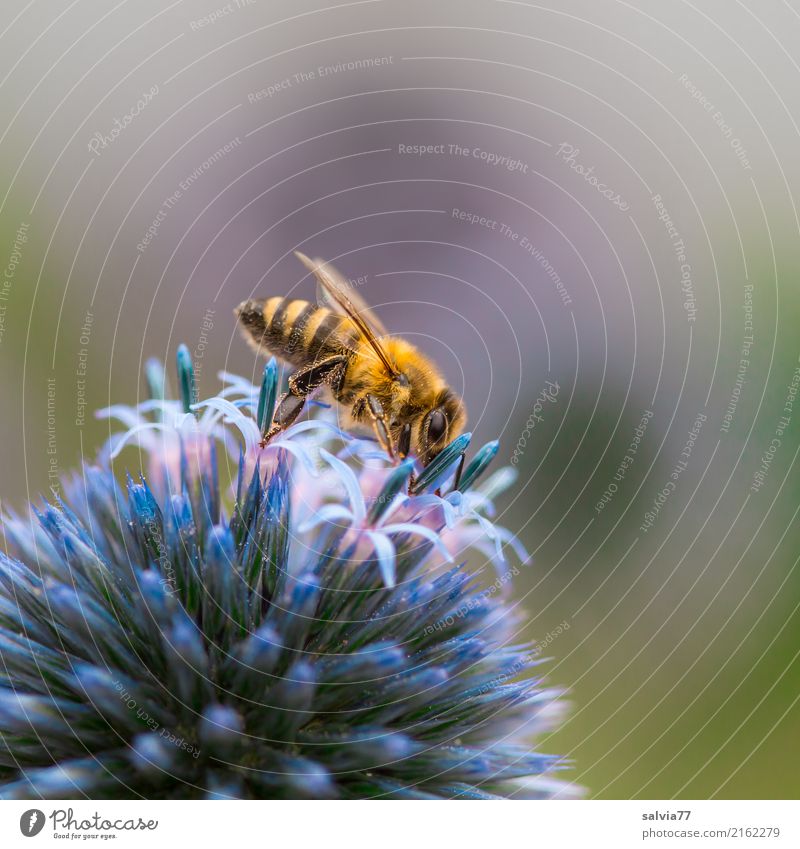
(437, 426)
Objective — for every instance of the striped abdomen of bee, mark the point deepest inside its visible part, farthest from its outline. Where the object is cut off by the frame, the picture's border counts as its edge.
(320, 343)
(297, 331)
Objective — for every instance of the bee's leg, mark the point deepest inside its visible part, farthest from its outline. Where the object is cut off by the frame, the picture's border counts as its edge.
(404, 442)
(301, 384)
(403, 448)
(371, 405)
(307, 379)
(288, 409)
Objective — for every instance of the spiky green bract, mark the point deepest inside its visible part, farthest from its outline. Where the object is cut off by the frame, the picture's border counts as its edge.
(277, 641)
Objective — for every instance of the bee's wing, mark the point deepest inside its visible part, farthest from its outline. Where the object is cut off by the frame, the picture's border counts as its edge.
(332, 292)
(330, 279)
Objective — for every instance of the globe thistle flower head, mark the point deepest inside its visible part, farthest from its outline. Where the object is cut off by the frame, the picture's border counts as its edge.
(307, 630)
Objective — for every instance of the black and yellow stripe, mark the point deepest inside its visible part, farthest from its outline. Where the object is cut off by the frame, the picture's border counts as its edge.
(297, 331)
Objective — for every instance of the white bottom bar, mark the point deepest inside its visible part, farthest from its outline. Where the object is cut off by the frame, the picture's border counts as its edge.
(342, 825)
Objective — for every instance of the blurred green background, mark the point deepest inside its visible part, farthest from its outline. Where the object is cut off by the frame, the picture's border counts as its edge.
(629, 173)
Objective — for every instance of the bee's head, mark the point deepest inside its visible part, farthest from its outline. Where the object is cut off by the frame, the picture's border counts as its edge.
(440, 425)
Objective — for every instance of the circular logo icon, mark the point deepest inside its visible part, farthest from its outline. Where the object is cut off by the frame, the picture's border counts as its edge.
(31, 822)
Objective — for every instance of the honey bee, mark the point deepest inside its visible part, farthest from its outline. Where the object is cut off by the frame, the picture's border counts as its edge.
(340, 344)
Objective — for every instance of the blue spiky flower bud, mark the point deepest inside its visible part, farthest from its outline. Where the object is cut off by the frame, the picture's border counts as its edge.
(263, 622)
